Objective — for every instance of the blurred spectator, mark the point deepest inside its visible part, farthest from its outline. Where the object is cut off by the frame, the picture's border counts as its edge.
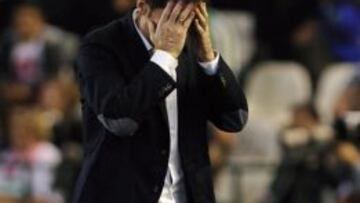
(353, 198)
(220, 147)
(300, 176)
(122, 6)
(349, 154)
(341, 20)
(58, 99)
(27, 168)
(31, 52)
(347, 111)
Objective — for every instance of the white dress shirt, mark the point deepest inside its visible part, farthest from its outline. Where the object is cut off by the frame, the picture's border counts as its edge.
(174, 187)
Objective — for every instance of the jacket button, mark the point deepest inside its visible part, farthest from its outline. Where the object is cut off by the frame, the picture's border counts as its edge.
(223, 80)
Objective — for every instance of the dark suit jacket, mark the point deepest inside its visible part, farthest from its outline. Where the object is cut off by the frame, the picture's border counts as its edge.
(126, 129)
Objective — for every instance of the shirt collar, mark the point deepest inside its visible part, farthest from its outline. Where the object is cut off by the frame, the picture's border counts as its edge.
(146, 42)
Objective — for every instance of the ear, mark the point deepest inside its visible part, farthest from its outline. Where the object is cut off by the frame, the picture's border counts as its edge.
(142, 7)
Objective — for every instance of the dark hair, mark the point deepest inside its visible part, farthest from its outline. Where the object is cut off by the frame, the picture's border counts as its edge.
(309, 108)
(162, 3)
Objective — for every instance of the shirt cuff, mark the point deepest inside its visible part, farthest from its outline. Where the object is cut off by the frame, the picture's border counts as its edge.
(166, 61)
(211, 67)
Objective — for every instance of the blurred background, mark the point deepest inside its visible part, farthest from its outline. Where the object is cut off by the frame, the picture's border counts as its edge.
(298, 62)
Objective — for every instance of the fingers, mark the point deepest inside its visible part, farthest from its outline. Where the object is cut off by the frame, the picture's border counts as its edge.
(200, 17)
(152, 30)
(176, 12)
(189, 20)
(167, 11)
(204, 9)
(198, 26)
(186, 12)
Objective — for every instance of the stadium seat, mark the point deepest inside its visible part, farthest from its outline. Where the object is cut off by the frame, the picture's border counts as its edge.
(332, 83)
(233, 33)
(274, 88)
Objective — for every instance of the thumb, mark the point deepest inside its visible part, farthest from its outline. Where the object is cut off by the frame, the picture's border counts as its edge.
(152, 30)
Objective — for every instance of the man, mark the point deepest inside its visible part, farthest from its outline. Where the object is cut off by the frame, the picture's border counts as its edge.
(146, 99)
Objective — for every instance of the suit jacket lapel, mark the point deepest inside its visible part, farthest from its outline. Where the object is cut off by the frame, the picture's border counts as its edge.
(138, 55)
(182, 71)
(181, 83)
(136, 51)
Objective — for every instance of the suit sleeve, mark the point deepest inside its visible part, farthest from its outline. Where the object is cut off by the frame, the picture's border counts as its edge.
(226, 103)
(120, 106)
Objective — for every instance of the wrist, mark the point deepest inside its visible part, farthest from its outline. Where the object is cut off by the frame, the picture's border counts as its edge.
(173, 54)
(207, 56)
(206, 51)
(165, 60)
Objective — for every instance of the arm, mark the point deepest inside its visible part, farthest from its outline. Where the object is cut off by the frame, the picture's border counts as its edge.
(120, 107)
(226, 103)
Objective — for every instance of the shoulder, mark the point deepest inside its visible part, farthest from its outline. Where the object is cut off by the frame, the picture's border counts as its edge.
(108, 39)
(46, 153)
(105, 34)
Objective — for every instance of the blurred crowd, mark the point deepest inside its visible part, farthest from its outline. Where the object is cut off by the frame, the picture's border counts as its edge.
(298, 61)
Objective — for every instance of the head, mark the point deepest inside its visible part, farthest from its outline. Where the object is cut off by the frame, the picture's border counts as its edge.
(349, 99)
(28, 126)
(305, 115)
(121, 6)
(28, 21)
(58, 96)
(152, 10)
